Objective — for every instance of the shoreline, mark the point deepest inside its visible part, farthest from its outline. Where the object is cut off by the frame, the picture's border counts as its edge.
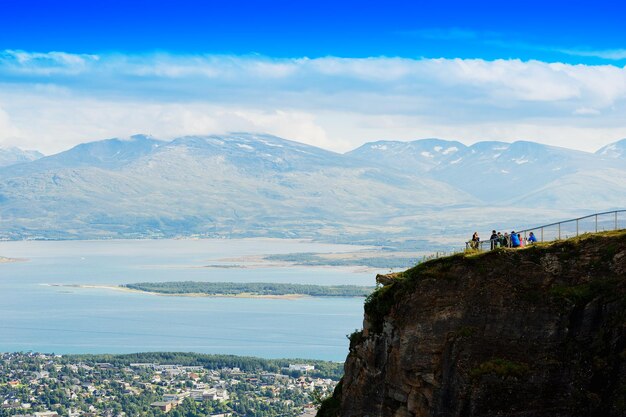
(4, 260)
(131, 290)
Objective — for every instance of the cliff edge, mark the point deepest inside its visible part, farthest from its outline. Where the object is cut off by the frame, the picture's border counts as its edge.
(530, 332)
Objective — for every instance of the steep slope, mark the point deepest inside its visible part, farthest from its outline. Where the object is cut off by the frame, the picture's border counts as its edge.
(12, 156)
(232, 185)
(531, 332)
(613, 150)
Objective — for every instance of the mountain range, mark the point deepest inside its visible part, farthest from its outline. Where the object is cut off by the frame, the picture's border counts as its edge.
(244, 184)
(13, 155)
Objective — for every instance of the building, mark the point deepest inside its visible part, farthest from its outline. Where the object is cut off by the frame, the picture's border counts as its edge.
(164, 406)
(301, 367)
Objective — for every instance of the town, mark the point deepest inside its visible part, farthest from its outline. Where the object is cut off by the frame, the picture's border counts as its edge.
(48, 385)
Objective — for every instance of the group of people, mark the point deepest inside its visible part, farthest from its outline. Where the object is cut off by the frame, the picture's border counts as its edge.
(499, 240)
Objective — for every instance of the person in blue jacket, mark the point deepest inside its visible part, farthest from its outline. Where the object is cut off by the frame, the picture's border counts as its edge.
(515, 242)
(532, 238)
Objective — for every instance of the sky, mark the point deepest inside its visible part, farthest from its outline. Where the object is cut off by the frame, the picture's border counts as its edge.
(330, 74)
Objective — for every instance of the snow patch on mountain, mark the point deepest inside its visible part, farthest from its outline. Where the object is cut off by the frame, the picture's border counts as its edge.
(13, 155)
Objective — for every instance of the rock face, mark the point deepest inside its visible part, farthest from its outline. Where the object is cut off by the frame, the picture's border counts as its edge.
(531, 332)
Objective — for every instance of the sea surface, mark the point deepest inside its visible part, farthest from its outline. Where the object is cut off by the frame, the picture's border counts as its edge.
(37, 315)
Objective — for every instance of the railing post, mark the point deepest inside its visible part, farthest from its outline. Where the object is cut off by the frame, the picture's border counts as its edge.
(542, 233)
(596, 223)
(559, 231)
(615, 220)
(576, 227)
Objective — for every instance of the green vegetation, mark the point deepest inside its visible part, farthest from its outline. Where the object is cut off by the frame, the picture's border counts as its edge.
(323, 369)
(584, 293)
(466, 331)
(313, 259)
(331, 405)
(252, 288)
(355, 338)
(85, 385)
(378, 304)
(500, 367)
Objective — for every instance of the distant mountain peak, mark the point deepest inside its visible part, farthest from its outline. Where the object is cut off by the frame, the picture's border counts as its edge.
(13, 155)
(613, 150)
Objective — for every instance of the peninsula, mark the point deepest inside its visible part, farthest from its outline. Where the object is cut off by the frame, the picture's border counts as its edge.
(4, 260)
(249, 289)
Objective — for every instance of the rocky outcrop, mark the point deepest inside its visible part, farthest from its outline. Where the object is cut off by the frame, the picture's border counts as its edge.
(531, 332)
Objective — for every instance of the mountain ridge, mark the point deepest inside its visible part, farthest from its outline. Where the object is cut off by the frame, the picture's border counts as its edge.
(14, 155)
(246, 184)
(236, 185)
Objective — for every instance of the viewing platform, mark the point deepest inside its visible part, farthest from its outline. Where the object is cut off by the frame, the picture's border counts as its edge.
(592, 223)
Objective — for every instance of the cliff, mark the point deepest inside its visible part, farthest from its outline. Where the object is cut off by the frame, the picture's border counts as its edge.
(530, 332)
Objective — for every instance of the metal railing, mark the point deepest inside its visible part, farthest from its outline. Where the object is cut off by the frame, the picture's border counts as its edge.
(593, 223)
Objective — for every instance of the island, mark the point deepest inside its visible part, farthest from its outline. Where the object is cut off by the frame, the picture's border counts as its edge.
(249, 289)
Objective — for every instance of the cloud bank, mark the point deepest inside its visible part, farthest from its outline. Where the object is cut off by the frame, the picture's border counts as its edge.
(50, 101)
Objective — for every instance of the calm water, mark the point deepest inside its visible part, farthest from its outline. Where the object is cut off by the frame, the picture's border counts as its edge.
(37, 316)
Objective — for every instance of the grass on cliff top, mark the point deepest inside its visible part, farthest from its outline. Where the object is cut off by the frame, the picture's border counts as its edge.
(473, 255)
(379, 303)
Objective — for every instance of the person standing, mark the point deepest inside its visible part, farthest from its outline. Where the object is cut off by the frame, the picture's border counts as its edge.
(515, 243)
(494, 239)
(475, 241)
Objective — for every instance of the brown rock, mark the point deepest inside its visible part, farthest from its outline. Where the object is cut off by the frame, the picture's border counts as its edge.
(535, 332)
(387, 279)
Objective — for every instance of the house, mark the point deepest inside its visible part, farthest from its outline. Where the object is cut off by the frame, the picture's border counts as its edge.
(45, 414)
(309, 412)
(215, 394)
(164, 406)
(176, 398)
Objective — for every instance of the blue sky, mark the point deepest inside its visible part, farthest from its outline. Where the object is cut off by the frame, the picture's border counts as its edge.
(565, 31)
(333, 74)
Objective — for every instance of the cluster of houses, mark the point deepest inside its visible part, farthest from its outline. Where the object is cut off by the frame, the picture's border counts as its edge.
(91, 388)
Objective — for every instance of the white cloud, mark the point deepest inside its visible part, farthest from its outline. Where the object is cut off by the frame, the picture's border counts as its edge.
(69, 121)
(8, 132)
(54, 100)
(586, 111)
(21, 62)
(612, 54)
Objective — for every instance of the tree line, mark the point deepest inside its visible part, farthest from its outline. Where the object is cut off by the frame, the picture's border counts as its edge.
(253, 288)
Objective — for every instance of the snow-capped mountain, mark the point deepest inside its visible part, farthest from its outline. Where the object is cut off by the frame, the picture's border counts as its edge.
(12, 156)
(525, 173)
(244, 184)
(412, 157)
(231, 185)
(614, 150)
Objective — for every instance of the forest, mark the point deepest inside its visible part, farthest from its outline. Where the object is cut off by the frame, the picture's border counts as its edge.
(323, 369)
